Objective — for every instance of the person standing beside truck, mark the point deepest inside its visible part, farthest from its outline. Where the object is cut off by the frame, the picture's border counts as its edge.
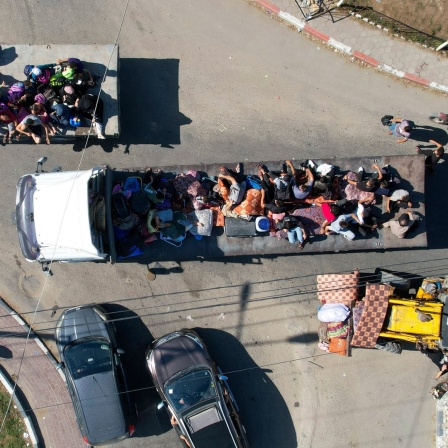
(432, 159)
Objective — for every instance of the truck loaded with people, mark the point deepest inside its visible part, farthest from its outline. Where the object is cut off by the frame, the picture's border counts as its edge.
(213, 211)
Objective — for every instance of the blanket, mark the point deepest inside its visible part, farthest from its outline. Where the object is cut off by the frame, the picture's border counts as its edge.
(188, 187)
(353, 193)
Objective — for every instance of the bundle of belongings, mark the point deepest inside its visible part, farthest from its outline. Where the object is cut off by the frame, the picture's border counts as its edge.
(337, 293)
(334, 327)
(440, 390)
(159, 205)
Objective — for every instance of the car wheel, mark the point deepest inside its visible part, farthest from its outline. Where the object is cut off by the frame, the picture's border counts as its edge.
(391, 347)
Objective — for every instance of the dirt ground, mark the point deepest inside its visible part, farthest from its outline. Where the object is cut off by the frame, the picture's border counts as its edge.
(429, 16)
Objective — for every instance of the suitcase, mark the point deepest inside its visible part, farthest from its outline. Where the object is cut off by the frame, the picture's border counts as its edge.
(239, 228)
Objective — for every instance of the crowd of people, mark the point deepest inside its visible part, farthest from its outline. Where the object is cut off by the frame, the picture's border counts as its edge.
(343, 203)
(51, 99)
(282, 193)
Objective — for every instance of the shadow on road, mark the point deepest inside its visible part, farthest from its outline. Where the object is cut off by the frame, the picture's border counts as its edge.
(263, 410)
(437, 206)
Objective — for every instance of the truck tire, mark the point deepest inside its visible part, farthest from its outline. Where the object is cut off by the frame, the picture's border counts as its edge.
(391, 347)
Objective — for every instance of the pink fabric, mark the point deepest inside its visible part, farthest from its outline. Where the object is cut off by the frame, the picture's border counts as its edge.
(326, 211)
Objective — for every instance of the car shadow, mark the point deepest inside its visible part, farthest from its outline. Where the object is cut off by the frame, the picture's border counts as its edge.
(134, 338)
(263, 410)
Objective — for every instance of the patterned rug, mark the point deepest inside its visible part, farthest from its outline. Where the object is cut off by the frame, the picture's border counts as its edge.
(372, 319)
(311, 218)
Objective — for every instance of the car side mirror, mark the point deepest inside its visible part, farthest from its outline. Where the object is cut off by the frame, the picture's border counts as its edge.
(223, 377)
(59, 365)
(160, 405)
(120, 351)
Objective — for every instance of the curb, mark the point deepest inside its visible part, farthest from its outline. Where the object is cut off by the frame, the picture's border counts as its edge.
(10, 387)
(442, 422)
(28, 423)
(304, 26)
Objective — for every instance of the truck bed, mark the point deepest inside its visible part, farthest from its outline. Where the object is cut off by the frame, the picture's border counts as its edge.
(410, 169)
(95, 58)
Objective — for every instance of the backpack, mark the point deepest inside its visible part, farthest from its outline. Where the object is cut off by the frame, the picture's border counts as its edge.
(44, 78)
(284, 192)
(386, 120)
(49, 93)
(15, 92)
(253, 182)
(3, 107)
(56, 80)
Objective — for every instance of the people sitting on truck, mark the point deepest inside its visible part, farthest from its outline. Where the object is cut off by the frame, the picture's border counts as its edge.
(267, 182)
(341, 226)
(237, 190)
(72, 62)
(84, 80)
(399, 227)
(282, 184)
(10, 119)
(41, 112)
(370, 184)
(40, 74)
(330, 212)
(69, 95)
(30, 88)
(294, 229)
(388, 183)
(237, 173)
(32, 126)
(301, 186)
(397, 199)
(91, 107)
(60, 114)
(367, 222)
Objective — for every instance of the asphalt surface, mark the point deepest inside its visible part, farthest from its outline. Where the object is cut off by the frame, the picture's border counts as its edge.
(220, 81)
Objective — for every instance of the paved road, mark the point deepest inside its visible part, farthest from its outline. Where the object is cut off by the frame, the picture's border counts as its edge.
(220, 81)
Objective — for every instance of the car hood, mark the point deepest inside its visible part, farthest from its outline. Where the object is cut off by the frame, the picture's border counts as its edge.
(175, 355)
(78, 323)
(103, 418)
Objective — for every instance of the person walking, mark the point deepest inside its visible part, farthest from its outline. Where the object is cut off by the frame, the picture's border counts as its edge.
(401, 128)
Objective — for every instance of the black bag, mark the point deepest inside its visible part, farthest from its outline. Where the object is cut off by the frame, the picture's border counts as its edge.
(120, 206)
(284, 192)
(140, 203)
(49, 93)
(387, 120)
